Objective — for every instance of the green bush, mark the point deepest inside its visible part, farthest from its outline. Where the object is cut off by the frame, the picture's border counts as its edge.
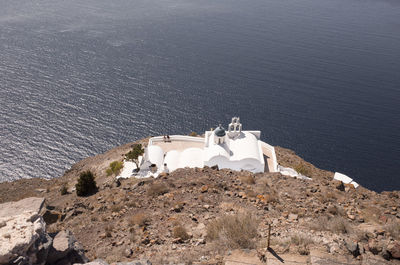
(303, 169)
(86, 184)
(115, 168)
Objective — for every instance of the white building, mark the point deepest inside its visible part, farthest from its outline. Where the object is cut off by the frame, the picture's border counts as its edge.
(234, 149)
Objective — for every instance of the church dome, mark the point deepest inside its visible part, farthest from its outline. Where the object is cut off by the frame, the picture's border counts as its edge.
(219, 131)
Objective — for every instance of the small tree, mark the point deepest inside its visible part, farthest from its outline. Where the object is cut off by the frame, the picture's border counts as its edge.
(86, 184)
(134, 154)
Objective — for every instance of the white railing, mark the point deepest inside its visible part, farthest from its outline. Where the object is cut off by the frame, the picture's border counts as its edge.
(181, 138)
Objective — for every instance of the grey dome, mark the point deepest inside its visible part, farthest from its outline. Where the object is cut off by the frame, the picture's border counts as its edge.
(219, 131)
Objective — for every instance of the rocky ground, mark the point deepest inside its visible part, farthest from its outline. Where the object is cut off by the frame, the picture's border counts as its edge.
(208, 216)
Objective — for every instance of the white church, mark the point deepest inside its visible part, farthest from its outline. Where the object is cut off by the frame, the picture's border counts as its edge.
(234, 149)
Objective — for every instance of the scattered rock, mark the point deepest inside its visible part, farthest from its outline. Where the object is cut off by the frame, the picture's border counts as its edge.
(394, 250)
(128, 252)
(374, 246)
(340, 186)
(352, 247)
(136, 262)
(95, 262)
(292, 217)
(215, 167)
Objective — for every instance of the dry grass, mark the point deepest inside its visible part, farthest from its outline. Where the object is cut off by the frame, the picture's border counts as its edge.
(131, 204)
(371, 214)
(249, 179)
(251, 193)
(116, 208)
(157, 189)
(301, 241)
(337, 225)
(180, 232)
(140, 219)
(132, 236)
(393, 229)
(234, 231)
(328, 196)
(109, 229)
(336, 210)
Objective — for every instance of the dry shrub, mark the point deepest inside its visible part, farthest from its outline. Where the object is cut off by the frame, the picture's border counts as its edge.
(326, 197)
(249, 179)
(336, 210)
(116, 208)
(337, 224)
(131, 204)
(180, 232)
(272, 196)
(234, 231)
(157, 189)
(371, 214)
(109, 229)
(140, 219)
(302, 241)
(362, 236)
(393, 229)
(251, 194)
(132, 236)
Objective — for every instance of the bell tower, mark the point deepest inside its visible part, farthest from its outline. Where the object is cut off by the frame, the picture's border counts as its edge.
(235, 128)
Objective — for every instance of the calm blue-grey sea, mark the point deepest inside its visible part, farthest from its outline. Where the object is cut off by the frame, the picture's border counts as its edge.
(321, 77)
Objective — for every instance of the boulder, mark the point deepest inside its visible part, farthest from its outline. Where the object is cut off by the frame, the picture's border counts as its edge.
(65, 247)
(394, 250)
(374, 246)
(23, 237)
(51, 217)
(32, 205)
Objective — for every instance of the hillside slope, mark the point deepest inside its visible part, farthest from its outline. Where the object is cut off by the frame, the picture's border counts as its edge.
(200, 215)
